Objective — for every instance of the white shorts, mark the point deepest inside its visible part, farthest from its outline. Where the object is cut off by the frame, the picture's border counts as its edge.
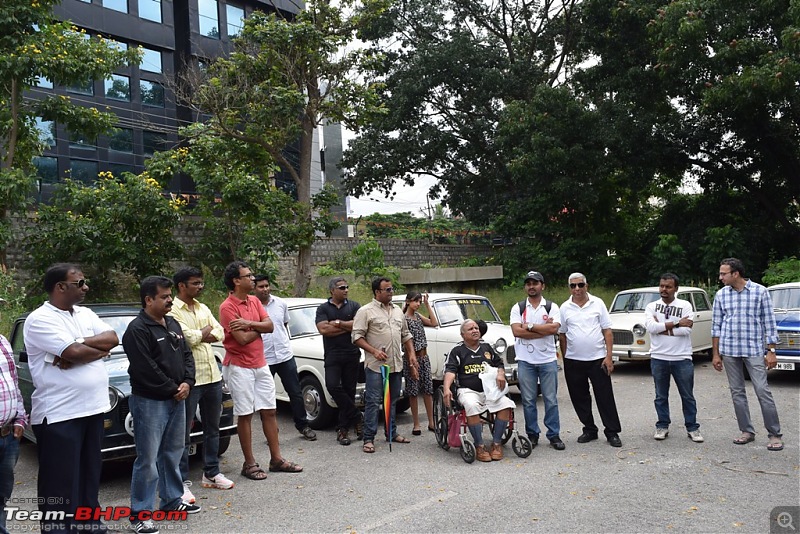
(251, 389)
(474, 402)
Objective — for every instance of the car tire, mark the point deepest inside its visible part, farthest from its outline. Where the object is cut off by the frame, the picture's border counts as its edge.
(320, 414)
(403, 404)
(224, 443)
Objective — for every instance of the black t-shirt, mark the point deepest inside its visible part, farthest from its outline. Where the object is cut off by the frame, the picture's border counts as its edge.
(341, 345)
(466, 364)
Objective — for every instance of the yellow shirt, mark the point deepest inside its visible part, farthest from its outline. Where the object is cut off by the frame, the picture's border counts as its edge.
(192, 322)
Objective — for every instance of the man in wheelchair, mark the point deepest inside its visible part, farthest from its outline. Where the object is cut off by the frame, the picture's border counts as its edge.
(465, 362)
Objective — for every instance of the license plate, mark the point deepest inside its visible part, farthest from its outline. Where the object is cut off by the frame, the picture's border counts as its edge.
(614, 358)
(192, 449)
(785, 366)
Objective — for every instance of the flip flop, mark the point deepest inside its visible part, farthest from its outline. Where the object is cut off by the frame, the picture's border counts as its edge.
(416, 432)
(744, 439)
(401, 439)
(368, 447)
(775, 444)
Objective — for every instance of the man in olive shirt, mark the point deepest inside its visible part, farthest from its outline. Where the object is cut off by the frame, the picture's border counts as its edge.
(380, 329)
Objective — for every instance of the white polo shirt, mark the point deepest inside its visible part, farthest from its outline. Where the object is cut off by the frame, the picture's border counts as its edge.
(277, 348)
(584, 329)
(541, 350)
(678, 346)
(61, 395)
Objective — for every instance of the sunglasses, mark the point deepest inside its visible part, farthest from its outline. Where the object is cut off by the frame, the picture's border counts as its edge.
(579, 284)
(79, 283)
(342, 288)
(387, 289)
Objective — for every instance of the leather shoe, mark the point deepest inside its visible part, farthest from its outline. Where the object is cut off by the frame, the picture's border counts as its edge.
(534, 440)
(586, 437)
(557, 444)
(614, 440)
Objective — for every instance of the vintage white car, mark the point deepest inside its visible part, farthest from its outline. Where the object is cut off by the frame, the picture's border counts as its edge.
(451, 310)
(631, 340)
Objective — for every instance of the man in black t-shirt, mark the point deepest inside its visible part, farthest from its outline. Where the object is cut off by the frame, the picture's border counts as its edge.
(466, 361)
(342, 359)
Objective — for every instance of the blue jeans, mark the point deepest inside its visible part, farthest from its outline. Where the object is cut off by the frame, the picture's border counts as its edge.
(374, 398)
(291, 383)
(547, 375)
(9, 452)
(683, 373)
(209, 397)
(159, 428)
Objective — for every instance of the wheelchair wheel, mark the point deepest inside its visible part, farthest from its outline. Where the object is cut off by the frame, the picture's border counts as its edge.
(467, 451)
(440, 419)
(522, 446)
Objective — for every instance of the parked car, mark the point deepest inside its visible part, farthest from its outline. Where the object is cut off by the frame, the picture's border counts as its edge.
(451, 310)
(786, 300)
(631, 340)
(118, 422)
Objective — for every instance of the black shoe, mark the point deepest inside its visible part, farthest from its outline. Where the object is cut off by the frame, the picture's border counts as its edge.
(614, 440)
(557, 444)
(341, 437)
(186, 507)
(586, 437)
(359, 427)
(309, 434)
(144, 527)
(534, 440)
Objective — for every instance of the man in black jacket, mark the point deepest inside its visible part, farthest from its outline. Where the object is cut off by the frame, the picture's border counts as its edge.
(162, 372)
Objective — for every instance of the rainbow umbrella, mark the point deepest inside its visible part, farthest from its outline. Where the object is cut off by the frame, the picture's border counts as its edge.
(387, 403)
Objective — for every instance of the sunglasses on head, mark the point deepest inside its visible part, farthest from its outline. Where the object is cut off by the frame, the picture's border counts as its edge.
(79, 283)
(579, 284)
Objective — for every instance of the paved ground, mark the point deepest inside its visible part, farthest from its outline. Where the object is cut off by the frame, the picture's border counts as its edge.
(647, 486)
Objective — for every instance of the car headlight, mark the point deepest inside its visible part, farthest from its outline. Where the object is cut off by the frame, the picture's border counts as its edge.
(500, 346)
(639, 330)
(114, 395)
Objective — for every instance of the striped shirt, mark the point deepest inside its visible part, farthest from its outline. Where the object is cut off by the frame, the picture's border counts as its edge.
(206, 369)
(12, 409)
(744, 321)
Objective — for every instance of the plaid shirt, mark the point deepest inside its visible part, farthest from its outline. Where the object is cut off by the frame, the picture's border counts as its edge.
(744, 321)
(12, 408)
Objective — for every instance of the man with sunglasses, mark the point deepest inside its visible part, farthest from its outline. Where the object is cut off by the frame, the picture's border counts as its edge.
(586, 342)
(66, 344)
(381, 330)
(334, 321)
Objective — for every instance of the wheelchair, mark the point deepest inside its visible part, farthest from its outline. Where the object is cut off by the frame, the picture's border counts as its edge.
(442, 414)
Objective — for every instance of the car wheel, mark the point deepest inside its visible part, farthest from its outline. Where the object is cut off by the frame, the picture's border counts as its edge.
(403, 404)
(224, 443)
(468, 451)
(320, 414)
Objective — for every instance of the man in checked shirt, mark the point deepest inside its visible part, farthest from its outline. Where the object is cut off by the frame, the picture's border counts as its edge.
(13, 420)
(743, 336)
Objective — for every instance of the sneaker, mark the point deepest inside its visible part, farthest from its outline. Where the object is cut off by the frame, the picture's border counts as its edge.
(695, 436)
(186, 507)
(188, 496)
(482, 454)
(661, 434)
(341, 437)
(219, 481)
(557, 444)
(496, 452)
(144, 527)
(309, 434)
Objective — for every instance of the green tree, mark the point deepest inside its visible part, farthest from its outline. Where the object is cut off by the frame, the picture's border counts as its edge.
(32, 46)
(668, 256)
(283, 79)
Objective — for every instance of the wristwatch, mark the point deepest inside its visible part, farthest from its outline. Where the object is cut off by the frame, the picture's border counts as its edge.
(530, 327)
(79, 340)
(338, 322)
(772, 350)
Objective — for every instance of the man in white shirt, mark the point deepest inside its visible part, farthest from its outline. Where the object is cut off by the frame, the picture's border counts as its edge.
(278, 352)
(586, 343)
(669, 322)
(66, 344)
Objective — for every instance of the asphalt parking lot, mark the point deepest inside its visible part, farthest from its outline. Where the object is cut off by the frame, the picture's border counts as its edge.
(646, 486)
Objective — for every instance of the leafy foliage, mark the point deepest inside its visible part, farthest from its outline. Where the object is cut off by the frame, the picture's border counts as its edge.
(783, 271)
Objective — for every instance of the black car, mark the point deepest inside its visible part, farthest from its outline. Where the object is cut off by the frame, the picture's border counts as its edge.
(118, 423)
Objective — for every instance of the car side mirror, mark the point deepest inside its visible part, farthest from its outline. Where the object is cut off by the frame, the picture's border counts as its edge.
(23, 356)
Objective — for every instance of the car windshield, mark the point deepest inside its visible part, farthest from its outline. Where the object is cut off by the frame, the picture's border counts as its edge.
(787, 298)
(630, 302)
(302, 321)
(119, 323)
(456, 311)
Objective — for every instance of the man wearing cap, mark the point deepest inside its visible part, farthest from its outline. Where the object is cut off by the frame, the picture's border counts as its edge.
(535, 321)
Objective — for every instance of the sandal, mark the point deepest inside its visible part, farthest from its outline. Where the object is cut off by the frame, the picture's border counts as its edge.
(401, 439)
(416, 432)
(368, 447)
(284, 466)
(775, 444)
(744, 439)
(253, 472)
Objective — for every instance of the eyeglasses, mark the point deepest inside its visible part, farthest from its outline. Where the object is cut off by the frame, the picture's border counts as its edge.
(198, 284)
(246, 276)
(79, 283)
(342, 288)
(387, 289)
(579, 284)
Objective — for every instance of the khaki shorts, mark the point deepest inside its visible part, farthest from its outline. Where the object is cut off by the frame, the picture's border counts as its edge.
(252, 389)
(474, 402)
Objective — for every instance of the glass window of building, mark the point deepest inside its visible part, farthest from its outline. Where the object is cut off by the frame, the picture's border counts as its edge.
(121, 140)
(118, 168)
(151, 60)
(78, 140)
(85, 88)
(150, 10)
(152, 93)
(118, 88)
(116, 5)
(47, 132)
(209, 18)
(85, 171)
(153, 142)
(235, 17)
(44, 83)
(46, 169)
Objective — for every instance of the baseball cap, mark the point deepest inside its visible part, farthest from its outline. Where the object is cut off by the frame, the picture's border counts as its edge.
(534, 275)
